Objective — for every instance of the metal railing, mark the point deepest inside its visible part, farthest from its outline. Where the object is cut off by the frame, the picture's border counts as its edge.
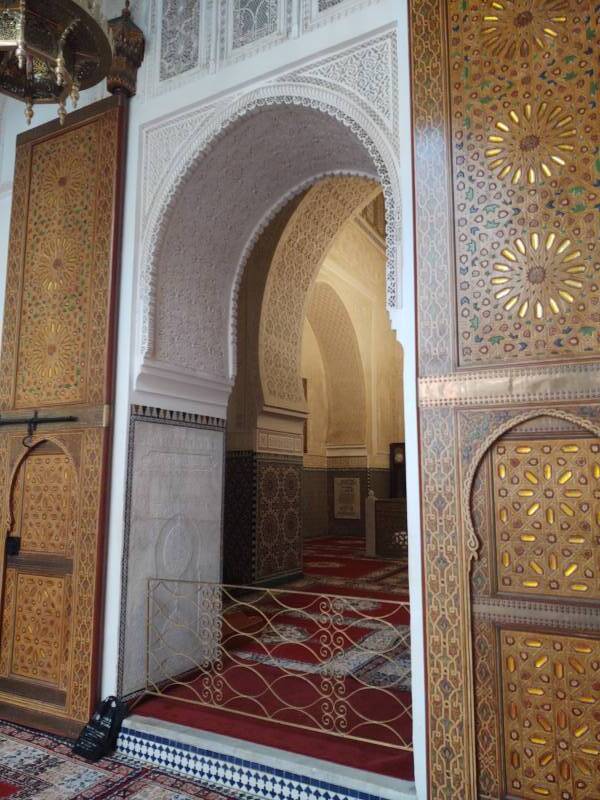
(325, 663)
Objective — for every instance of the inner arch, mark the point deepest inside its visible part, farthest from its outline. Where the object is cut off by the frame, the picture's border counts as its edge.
(253, 169)
(336, 336)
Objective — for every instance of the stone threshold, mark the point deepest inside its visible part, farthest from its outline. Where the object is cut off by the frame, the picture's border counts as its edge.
(252, 770)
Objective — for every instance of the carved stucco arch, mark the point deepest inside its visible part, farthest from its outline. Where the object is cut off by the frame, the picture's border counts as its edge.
(336, 337)
(378, 160)
(472, 540)
(308, 236)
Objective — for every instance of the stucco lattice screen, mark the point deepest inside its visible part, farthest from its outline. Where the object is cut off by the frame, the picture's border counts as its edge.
(179, 38)
(253, 20)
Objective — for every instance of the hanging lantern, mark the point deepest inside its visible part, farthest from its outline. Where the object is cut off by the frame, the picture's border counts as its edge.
(50, 50)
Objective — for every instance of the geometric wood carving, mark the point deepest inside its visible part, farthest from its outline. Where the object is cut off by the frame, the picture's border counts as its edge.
(547, 516)
(49, 606)
(58, 284)
(525, 124)
(486, 708)
(57, 357)
(46, 511)
(551, 700)
(40, 624)
(483, 69)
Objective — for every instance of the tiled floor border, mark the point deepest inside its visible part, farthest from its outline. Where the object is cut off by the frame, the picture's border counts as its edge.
(224, 771)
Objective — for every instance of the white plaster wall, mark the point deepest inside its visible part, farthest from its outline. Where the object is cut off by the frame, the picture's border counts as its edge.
(404, 322)
(174, 532)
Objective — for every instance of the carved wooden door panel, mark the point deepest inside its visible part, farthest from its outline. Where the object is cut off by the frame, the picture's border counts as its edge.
(507, 205)
(38, 609)
(57, 360)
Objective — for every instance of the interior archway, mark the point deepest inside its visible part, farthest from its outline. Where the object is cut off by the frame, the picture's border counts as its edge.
(327, 178)
(316, 276)
(207, 232)
(339, 221)
(308, 236)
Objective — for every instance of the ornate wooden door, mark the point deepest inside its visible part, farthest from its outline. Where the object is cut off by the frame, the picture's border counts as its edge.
(507, 195)
(57, 360)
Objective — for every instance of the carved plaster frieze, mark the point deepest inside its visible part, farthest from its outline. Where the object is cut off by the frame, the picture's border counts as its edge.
(161, 145)
(277, 442)
(368, 72)
(342, 95)
(189, 38)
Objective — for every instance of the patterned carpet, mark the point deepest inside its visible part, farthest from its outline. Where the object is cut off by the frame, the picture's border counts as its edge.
(40, 766)
(274, 663)
(339, 566)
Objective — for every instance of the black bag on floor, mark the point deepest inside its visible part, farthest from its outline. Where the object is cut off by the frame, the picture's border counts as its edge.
(99, 737)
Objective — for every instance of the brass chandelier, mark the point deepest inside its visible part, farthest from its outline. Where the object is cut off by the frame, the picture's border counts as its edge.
(52, 49)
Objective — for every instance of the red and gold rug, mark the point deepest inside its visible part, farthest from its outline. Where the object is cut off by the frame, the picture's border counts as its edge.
(36, 765)
(340, 566)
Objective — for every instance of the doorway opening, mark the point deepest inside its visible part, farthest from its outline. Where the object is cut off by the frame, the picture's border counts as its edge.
(311, 640)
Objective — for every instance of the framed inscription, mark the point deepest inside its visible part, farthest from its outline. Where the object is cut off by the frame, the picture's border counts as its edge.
(346, 498)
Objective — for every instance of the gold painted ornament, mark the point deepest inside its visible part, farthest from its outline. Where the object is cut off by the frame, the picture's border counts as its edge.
(531, 144)
(539, 275)
(514, 27)
(547, 509)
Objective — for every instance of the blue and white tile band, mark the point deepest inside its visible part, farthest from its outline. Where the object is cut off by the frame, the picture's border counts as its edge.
(251, 770)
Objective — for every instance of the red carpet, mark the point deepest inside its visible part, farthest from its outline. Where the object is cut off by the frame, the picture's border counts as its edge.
(344, 557)
(281, 669)
(349, 752)
(340, 566)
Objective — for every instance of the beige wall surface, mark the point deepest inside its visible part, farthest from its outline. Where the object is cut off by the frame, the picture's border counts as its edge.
(353, 367)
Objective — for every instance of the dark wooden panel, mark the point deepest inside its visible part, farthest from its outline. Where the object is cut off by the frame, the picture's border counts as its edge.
(32, 691)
